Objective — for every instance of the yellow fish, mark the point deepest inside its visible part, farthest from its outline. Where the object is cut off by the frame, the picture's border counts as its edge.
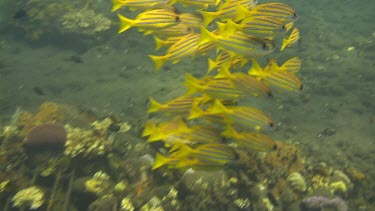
(203, 4)
(276, 10)
(293, 38)
(203, 157)
(243, 116)
(195, 134)
(191, 19)
(281, 79)
(226, 10)
(239, 43)
(262, 26)
(180, 29)
(159, 132)
(249, 85)
(293, 65)
(169, 41)
(182, 48)
(161, 160)
(255, 141)
(180, 104)
(215, 88)
(150, 20)
(206, 155)
(225, 58)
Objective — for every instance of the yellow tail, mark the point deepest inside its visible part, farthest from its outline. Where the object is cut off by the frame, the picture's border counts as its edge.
(154, 106)
(211, 65)
(285, 43)
(224, 72)
(149, 128)
(206, 36)
(183, 151)
(126, 23)
(158, 60)
(256, 69)
(208, 17)
(191, 84)
(218, 108)
(242, 13)
(116, 4)
(158, 42)
(229, 132)
(160, 161)
(195, 112)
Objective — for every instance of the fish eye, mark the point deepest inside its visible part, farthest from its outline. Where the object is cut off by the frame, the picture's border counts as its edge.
(264, 46)
(283, 28)
(274, 147)
(301, 87)
(272, 125)
(294, 15)
(178, 18)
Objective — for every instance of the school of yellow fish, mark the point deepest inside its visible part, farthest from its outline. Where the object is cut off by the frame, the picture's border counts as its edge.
(208, 125)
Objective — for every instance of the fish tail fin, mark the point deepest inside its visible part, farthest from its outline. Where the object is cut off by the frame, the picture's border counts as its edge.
(160, 161)
(174, 147)
(183, 151)
(256, 69)
(116, 5)
(221, 26)
(149, 128)
(224, 72)
(217, 2)
(229, 132)
(230, 27)
(206, 36)
(158, 60)
(125, 23)
(217, 108)
(158, 42)
(208, 17)
(211, 65)
(154, 106)
(285, 43)
(195, 112)
(242, 13)
(155, 136)
(191, 84)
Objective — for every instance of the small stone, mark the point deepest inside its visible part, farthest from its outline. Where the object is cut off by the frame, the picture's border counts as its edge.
(328, 132)
(351, 48)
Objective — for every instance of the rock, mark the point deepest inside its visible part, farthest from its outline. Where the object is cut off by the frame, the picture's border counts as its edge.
(48, 134)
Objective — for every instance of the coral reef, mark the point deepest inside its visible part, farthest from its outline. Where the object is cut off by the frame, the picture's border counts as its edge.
(89, 143)
(32, 197)
(120, 177)
(338, 183)
(126, 204)
(320, 202)
(297, 182)
(85, 21)
(285, 160)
